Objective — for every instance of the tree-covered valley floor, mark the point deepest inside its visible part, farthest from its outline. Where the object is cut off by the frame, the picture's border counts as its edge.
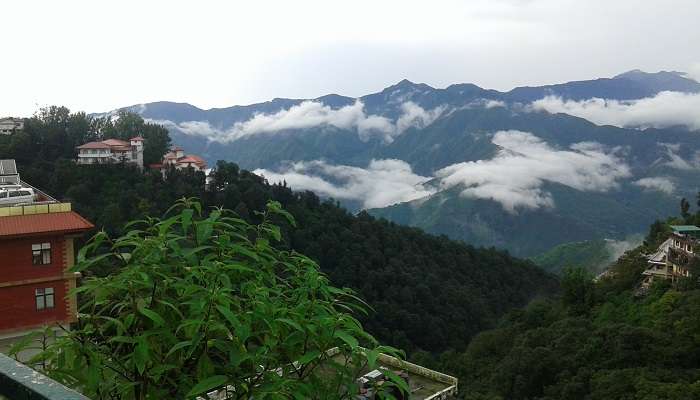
(449, 305)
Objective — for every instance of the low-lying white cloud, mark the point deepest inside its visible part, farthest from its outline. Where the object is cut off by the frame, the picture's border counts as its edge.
(514, 177)
(694, 72)
(658, 183)
(414, 115)
(382, 183)
(663, 110)
(676, 161)
(311, 114)
(524, 163)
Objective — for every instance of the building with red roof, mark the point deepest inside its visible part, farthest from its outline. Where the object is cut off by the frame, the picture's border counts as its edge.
(112, 151)
(176, 158)
(37, 246)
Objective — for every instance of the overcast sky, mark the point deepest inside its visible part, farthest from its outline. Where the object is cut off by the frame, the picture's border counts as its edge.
(100, 55)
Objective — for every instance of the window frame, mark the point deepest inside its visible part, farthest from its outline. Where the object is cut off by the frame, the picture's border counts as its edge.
(41, 253)
(45, 298)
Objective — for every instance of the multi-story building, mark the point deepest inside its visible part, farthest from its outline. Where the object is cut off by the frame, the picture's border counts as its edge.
(36, 248)
(10, 125)
(671, 261)
(176, 158)
(112, 151)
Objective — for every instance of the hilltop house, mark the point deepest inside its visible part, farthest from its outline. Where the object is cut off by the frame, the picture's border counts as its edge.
(112, 151)
(671, 260)
(36, 244)
(176, 158)
(10, 125)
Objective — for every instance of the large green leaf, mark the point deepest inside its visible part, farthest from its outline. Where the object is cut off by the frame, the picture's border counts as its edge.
(208, 384)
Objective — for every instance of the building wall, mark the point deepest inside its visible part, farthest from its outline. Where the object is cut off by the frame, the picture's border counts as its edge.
(19, 279)
(18, 306)
(16, 262)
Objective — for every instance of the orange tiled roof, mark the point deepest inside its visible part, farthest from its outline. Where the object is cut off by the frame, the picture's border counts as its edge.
(21, 225)
(116, 142)
(192, 159)
(94, 145)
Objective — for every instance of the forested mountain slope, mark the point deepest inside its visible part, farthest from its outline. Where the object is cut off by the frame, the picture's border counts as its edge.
(427, 292)
(597, 341)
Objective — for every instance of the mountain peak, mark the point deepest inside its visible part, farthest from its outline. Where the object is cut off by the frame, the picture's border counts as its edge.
(406, 84)
(662, 80)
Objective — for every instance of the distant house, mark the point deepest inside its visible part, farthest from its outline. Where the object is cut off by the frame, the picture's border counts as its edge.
(10, 125)
(176, 158)
(671, 261)
(112, 151)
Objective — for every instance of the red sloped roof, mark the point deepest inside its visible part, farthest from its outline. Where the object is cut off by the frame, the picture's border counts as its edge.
(94, 145)
(116, 142)
(21, 225)
(191, 158)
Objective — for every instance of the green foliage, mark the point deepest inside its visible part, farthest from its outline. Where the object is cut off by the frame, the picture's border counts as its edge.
(597, 341)
(593, 255)
(202, 301)
(577, 290)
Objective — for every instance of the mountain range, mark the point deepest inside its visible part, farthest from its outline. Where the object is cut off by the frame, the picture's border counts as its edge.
(525, 170)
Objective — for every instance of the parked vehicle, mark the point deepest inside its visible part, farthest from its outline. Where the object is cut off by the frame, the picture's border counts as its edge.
(15, 194)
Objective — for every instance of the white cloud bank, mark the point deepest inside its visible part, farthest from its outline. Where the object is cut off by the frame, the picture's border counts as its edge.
(513, 178)
(676, 161)
(658, 183)
(663, 110)
(524, 163)
(382, 183)
(311, 114)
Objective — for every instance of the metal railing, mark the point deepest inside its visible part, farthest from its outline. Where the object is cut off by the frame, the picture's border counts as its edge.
(19, 382)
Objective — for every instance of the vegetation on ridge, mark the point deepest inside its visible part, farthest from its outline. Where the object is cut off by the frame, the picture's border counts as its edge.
(596, 342)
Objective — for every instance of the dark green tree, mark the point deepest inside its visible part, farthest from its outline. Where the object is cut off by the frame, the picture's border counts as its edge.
(578, 291)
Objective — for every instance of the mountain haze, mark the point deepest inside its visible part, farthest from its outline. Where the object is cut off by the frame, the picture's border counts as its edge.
(526, 170)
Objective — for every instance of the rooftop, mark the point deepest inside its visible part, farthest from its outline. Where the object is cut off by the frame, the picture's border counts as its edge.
(685, 228)
(94, 145)
(690, 230)
(425, 384)
(41, 218)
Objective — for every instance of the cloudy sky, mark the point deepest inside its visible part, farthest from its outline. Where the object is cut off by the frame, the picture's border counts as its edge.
(100, 55)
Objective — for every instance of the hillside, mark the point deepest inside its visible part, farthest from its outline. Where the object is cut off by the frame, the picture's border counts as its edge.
(426, 292)
(597, 341)
(543, 166)
(593, 255)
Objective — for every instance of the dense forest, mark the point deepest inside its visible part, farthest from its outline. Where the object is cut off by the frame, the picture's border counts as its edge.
(427, 293)
(597, 341)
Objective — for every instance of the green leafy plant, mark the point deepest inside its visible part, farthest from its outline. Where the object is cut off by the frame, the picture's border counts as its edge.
(204, 301)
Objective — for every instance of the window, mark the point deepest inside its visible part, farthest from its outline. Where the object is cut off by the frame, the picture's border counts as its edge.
(44, 298)
(41, 254)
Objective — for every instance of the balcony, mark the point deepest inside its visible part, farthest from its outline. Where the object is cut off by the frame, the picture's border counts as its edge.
(19, 382)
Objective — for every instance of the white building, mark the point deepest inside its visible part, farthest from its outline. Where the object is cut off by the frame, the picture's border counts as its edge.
(10, 125)
(112, 151)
